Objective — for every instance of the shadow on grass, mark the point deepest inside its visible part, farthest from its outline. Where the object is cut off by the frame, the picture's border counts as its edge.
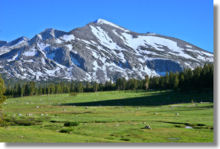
(163, 98)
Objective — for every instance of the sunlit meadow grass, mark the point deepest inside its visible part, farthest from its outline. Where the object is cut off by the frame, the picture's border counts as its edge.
(115, 116)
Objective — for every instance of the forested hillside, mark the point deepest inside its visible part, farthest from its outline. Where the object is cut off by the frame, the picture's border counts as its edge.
(200, 79)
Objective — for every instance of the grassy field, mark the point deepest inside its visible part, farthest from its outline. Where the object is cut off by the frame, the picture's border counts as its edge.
(115, 116)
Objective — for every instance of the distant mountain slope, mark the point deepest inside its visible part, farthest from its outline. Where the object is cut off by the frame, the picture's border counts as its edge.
(99, 51)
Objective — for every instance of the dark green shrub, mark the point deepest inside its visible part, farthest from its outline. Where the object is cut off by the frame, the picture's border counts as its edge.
(125, 139)
(24, 123)
(4, 123)
(73, 94)
(68, 124)
(53, 121)
(65, 130)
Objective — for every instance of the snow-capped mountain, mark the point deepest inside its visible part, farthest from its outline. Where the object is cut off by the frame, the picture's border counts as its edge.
(99, 51)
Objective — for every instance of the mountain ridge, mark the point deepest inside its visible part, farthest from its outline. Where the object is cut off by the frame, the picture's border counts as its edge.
(99, 51)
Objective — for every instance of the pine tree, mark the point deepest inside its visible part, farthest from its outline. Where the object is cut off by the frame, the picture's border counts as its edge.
(167, 82)
(58, 88)
(123, 84)
(146, 82)
(210, 76)
(80, 87)
(20, 90)
(171, 80)
(176, 82)
(162, 83)
(154, 83)
(108, 86)
(181, 80)
(32, 88)
(67, 89)
(27, 89)
(40, 91)
(72, 87)
(95, 87)
(132, 83)
(118, 83)
(52, 88)
(2, 97)
(188, 75)
(15, 90)
(2, 90)
(196, 80)
(47, 90)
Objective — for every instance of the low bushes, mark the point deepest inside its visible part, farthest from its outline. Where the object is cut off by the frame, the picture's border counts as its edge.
(21, 122)
(69, 124)
(73, 94)
(66, 130)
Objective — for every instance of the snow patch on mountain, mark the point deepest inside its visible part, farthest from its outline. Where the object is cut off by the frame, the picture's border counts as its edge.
(29, 53)
(67, 38)
(13, 58)
(104, 39)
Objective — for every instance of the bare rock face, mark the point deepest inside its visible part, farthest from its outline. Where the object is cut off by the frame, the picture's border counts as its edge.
(100, 51)
(2, 43)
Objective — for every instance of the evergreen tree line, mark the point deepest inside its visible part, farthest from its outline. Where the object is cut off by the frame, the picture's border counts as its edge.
(198, 79)
(2, 90)
(32, 88)
(2, 97)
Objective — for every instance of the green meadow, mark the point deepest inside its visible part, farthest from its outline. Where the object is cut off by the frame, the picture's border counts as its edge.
(113, 116)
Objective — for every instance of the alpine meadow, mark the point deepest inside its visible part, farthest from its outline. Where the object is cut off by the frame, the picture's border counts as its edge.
(104, 83)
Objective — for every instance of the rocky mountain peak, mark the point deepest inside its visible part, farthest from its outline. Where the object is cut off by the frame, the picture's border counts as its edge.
(100, 51)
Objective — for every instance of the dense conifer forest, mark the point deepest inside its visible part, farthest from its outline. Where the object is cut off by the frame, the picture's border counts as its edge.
(199, 79)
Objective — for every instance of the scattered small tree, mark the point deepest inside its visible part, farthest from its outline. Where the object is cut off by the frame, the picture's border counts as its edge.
(2, 97)
(95, 87)
(176, 82)
(146, 82)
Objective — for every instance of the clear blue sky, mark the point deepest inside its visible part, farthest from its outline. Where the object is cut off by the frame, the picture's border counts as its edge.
(190, 20)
